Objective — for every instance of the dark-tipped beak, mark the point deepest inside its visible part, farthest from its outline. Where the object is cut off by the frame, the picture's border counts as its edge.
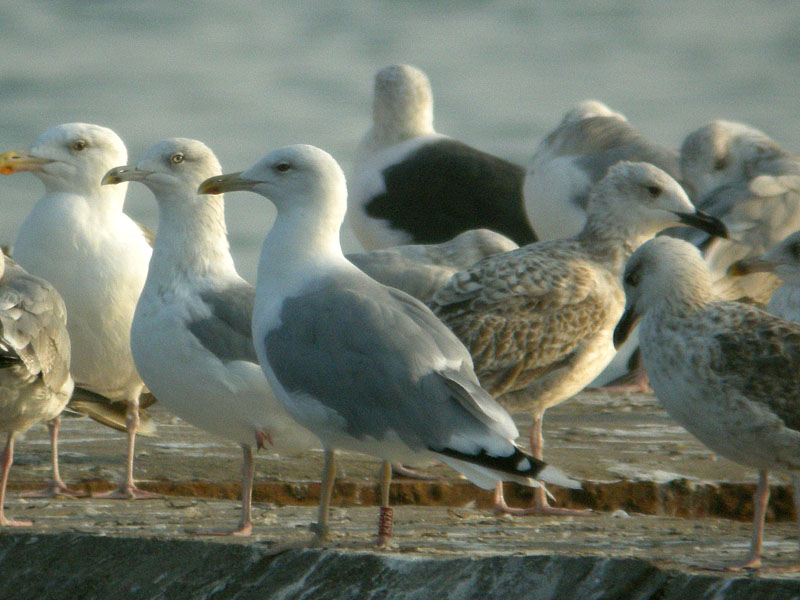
(16, 162)
(123, 173)
(754, 264)
(700, 220)
(231, 182)
(623, 329)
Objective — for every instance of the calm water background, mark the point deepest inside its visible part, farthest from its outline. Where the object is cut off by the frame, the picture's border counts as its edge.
(246, 77)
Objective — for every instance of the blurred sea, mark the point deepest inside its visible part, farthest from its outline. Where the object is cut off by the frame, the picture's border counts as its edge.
(246, 77)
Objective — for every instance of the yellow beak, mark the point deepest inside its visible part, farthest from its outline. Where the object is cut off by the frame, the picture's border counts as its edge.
(16, 162)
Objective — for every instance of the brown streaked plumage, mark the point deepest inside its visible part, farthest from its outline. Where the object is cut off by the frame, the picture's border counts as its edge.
(538, 320)
(728, 372)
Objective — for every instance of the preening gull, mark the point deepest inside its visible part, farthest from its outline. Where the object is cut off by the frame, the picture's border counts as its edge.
(77, 238)
(728, 372)
(191, 337)
(421, 269)
(411, 185)
(35, 384)
(577, 154)
(365, 367)
(743, 177)
(538, 320)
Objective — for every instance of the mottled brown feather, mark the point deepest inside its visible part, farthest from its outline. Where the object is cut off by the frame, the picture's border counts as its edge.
(525, 313)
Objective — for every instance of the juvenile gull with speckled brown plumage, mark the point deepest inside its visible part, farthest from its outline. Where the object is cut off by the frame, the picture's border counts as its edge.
(728, 372)
(538, 320)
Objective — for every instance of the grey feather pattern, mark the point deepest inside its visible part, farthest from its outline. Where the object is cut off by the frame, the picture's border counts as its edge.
(420, 270)
(600, 142)
(32, 318)
(332, 345)
(227, 331)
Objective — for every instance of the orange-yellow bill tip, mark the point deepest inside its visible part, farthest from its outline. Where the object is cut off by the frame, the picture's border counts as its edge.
(16, 162)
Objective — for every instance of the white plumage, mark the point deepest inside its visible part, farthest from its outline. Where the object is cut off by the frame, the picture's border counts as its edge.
(77, 238)
(364, 366)
(191, 337)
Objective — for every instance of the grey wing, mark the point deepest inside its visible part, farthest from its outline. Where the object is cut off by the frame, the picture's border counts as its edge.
(393, 269)
(33, 321)
(379, 359)
(760, 355)
(598, 143)
(421, 269)
(226, 332)
(603, 141)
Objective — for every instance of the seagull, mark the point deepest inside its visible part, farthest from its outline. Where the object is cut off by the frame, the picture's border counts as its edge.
(35, 383)
(365, 367)
(77, 238)
(590, 138)
(411, 185)
(538, 320)
(743, 177)
(784, 261)
(726, 371)
(191, 336)
(421, 269)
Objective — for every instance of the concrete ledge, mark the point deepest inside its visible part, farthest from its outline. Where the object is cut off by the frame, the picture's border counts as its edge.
(65, 566)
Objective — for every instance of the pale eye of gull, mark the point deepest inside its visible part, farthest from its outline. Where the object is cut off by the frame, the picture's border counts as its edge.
(78, 145)
(176, 159)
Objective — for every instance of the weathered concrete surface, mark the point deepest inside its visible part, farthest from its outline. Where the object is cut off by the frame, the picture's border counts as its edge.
(68, 566)
(636, 460)
(632, 455)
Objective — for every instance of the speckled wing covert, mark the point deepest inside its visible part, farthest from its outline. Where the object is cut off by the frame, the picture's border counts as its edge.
(752, 351)
(519, 327)
(32, 319)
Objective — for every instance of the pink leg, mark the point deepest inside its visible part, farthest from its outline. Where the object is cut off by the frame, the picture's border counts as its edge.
(56, 487)
(128, 490)
(320, 528)
(540, 503)
(245, 527)
(5, 464)
(760, 499)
